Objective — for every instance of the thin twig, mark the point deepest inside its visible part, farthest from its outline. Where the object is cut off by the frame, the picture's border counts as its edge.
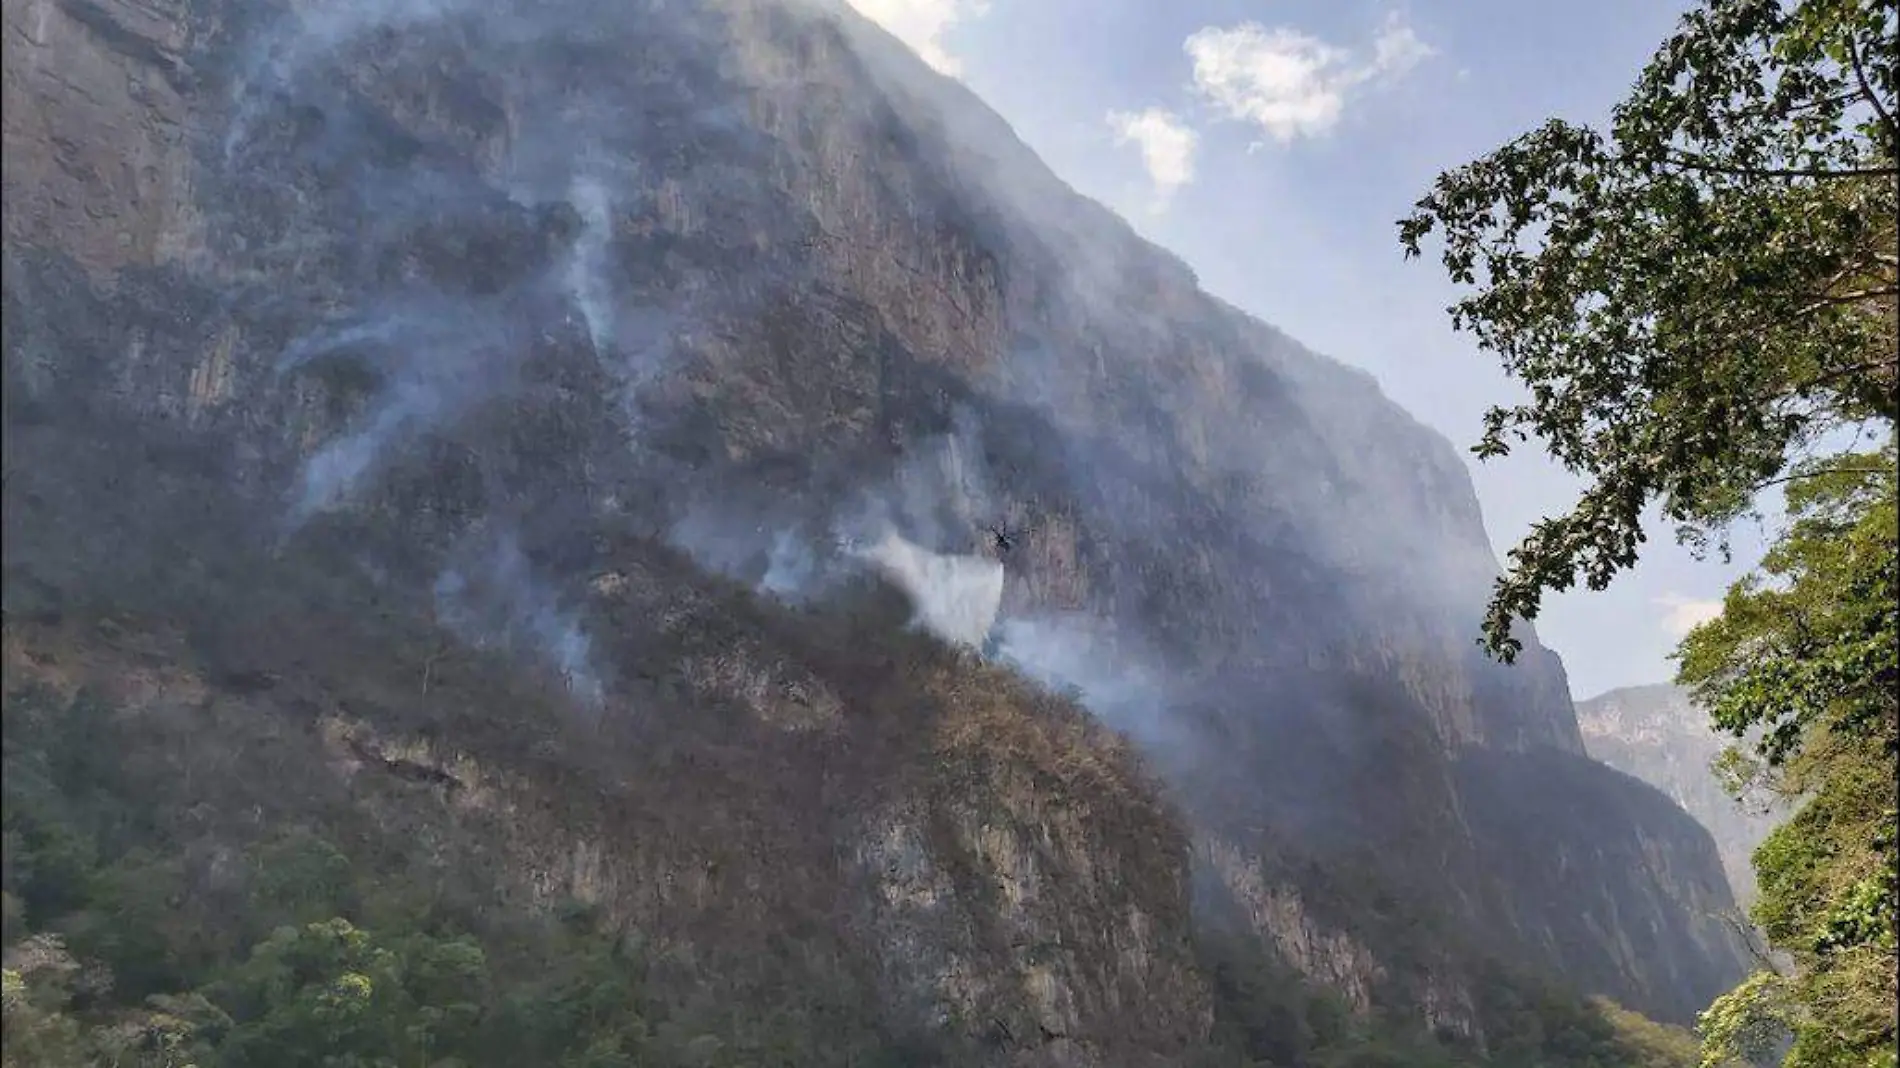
(1848, 298)
(1693, 163)
(1873, 99)
(1822, 474)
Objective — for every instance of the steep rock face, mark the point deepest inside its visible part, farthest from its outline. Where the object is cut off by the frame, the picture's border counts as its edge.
(470, 286)
(1655, 734)
(1540, 815)
(933, 853)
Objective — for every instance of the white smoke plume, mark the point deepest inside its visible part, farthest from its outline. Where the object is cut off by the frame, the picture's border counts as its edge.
(313, 31)
(790, 567)
(954, 597)
(494, 599)
(1074, 655)
(334, 471)
(439, 355)
(586, 279)
(433, 358)
(906, 528)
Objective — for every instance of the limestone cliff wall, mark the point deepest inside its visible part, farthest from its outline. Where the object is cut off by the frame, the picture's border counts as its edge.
(1655, 734)
(418, 272)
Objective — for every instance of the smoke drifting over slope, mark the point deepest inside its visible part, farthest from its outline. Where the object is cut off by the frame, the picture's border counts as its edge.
(1127, 412)
(938, 494)
(435, 359)
(430, 357)
(956, 597)
(492, 598)
(585, 272)
(426, 357)
(1124, 690)
(745, 277)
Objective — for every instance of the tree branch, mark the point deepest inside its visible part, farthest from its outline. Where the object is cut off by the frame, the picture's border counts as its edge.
(1799, 388)
(1775, 109)
(1820, 474)
(1847, 298)
(1873, 98)
(1698, 164)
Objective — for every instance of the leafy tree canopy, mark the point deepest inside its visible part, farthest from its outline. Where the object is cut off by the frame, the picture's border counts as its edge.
(1803, 658)
(1697, 299)
(1701, 302)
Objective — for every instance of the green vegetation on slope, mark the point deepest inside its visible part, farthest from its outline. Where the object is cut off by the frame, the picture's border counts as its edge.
(165, 907)
(321, 944)
(1265, 1016)
(1806, 656)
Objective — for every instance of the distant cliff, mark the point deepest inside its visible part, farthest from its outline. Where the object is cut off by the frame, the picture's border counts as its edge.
(576, 327)
(1655, 734)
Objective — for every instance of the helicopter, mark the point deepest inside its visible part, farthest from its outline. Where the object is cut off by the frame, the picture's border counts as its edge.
(1004, 537)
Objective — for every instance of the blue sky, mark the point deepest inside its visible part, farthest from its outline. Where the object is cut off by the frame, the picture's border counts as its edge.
(1272, 144)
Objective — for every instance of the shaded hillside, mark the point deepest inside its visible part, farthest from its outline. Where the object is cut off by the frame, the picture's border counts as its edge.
(1655, 734)
(805, 838)
(540, 316)
(834, 900)
(1541, 812)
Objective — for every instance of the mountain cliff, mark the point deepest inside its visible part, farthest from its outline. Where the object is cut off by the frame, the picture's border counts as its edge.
(575, 366)
(1655, 734)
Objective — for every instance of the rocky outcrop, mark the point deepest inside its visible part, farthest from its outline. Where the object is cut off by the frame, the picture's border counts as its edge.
(98, 132)
(1274, 910)
(482, 291)
(1654, 733)
(982, 869)
(1650, 912)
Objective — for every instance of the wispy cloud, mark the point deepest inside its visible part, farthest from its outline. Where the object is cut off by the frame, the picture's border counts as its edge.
(1683, 614)
(1290, 83)
(922, 24)
(1167, 148)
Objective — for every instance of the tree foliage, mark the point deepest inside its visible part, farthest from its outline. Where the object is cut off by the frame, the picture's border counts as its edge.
(1697, 297)
(321, 954)
(1701, 303)
(1803, 659)
(1805, 647)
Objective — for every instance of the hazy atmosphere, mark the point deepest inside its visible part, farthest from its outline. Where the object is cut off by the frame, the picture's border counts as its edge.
(947, 534)
(1272, 145)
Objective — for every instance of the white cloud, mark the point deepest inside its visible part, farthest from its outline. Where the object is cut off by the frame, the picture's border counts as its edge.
(921, 24)
(1397, 48)
(1292, 84)
(1166, 144)
(1684, 614)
